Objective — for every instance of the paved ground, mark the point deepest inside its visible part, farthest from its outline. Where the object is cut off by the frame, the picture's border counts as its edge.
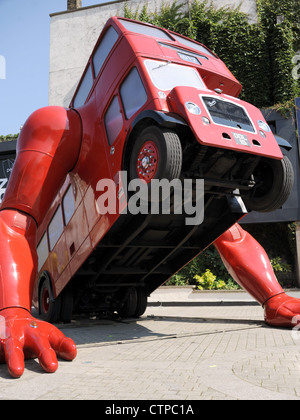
(187, 346)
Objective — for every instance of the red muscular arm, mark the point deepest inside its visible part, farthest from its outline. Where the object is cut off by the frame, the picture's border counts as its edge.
(249, 265)
(48, 148)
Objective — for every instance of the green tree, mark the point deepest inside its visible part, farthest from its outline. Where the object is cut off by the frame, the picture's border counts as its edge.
(9, 137)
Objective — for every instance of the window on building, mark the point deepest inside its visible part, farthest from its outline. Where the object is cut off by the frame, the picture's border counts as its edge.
(85, 87)
(55, 228)
(133, 93)
(113, 120)
(104, 48)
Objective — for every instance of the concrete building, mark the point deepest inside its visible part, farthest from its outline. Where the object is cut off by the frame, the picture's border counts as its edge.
(74, 32)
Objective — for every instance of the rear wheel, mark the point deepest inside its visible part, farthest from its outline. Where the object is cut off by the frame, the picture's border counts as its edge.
(274, 181)
(49, 308)
(135, 303)
(142, 301)
(66, 305)
(129, 307)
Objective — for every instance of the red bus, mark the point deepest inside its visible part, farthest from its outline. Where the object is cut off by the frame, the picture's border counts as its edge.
(154, 105)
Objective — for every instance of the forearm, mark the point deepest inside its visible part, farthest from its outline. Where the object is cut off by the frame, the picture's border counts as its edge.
(248, 263)
(18, 259)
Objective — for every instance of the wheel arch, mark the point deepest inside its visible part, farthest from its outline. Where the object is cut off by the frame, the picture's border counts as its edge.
(282, 143)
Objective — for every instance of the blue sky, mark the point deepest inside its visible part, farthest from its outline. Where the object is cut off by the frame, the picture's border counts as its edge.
(24, 58)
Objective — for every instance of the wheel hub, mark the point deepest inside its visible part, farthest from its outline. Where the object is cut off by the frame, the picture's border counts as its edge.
(147, 162)
(46, 301)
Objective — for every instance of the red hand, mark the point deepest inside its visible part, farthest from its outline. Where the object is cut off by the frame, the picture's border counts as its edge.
(22, 337)
(282, 311)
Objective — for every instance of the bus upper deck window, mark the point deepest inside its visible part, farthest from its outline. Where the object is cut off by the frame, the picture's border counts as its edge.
(191, 44)
(141, 29)
(109, 39)
(166, 75)
(85, 87)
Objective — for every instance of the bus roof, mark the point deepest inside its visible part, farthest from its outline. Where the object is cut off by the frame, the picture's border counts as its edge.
(188, 50)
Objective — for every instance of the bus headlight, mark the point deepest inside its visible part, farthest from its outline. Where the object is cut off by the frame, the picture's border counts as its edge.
(205, 120)
(193, 108)
(264, 126)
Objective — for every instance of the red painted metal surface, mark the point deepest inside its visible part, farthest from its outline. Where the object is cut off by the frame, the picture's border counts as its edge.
(56, 143)
(148, 160)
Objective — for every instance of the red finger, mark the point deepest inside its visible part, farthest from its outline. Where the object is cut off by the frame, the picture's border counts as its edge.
(64, 346)
(67, 349)
(39, 345)
(15, 360)
(48, 360)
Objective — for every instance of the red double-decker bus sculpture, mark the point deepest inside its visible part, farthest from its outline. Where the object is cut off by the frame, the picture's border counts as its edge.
(78, 235)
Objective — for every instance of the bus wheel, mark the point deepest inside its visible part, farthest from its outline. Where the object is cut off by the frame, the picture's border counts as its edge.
(49, 308)
(156, 153)
(274, 179)
(67, 301)
(130, 305)
(142, 301)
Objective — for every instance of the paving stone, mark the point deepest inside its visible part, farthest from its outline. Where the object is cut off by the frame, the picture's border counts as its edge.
(205, 353)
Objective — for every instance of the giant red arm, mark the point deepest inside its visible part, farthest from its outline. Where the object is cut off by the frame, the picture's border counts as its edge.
(249, 265)
(48, 148)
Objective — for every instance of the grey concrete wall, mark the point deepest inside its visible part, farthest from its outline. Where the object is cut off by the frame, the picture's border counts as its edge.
(73, 35)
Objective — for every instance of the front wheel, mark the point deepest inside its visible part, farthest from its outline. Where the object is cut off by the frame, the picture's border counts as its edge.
(273, 184)
(156, 154)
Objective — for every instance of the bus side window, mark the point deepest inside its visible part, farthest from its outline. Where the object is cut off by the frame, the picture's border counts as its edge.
(42, 251)
(55, 228)
(133, 93)
(68, 205)
(85, 87)
(113, 120)
(104, 49)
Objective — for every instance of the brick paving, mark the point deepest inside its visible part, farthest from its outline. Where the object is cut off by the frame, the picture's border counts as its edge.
(185, 352)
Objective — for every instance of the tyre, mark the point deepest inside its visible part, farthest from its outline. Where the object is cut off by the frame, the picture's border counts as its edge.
(49, 308)
(156, 153)
(67, 301)
(274, 181)
(142, 301)
(129, 308)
